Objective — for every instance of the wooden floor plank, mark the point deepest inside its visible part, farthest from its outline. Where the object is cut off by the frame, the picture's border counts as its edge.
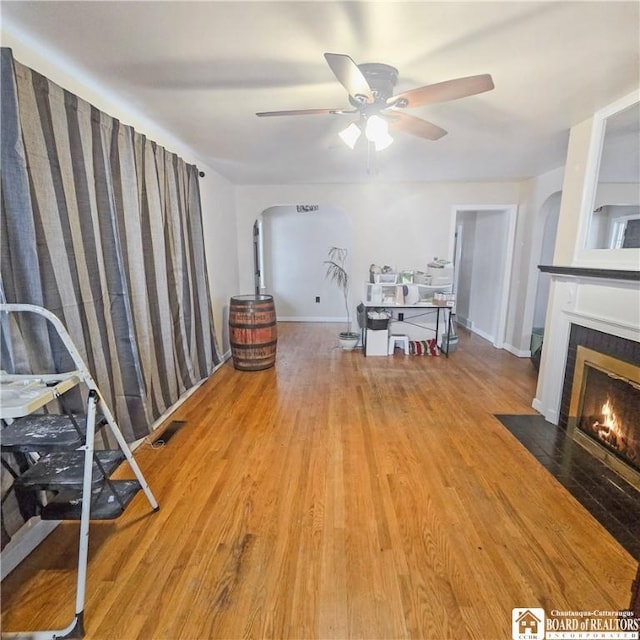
(336, 496)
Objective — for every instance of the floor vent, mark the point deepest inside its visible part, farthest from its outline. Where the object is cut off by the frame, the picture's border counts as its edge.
(169, 432)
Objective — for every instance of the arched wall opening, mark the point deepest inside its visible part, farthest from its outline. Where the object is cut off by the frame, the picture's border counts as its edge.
(550, 212)
(289, 254)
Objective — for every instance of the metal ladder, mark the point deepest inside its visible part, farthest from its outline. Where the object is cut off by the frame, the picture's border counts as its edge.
(63, 448)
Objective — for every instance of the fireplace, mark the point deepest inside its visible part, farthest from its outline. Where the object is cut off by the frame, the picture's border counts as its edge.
(604, 413)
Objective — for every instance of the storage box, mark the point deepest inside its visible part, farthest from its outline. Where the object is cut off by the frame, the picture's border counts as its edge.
(450, 345)
(377, 324)
(386, 278)
(377, 343)
(381, 293)
(440, 275)
(444, 299)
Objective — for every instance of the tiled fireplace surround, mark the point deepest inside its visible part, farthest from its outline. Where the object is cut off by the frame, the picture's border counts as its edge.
(602, 314)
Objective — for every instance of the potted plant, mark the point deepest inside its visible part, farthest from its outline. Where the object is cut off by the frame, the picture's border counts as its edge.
(337, 273)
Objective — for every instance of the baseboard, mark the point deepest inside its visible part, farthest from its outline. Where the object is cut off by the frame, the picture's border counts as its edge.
(550, 416)
(521, 353)
(310, 319)
(482, 334)
(537, 405)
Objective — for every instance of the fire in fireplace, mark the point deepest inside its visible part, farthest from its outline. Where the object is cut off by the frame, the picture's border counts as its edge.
(605, 410)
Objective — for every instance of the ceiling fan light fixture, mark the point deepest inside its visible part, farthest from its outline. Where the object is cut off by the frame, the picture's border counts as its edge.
(383, 143)
(370, 89)
(350, 135)
(377, 131)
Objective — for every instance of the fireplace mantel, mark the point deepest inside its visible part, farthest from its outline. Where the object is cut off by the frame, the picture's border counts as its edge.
(605, 300)
(590, 272)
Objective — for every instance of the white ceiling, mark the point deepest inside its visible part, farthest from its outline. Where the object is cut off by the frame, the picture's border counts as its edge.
(202, 69)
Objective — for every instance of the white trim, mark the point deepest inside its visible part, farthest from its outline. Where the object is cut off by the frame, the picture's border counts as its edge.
(603, 258)
(521, 353)
(592, 321)
(484, 335)
(310, 319)
(512, 212)
(457, 243)
(551, 415)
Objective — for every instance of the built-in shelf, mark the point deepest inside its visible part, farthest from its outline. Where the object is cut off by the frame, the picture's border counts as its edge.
(590, 272)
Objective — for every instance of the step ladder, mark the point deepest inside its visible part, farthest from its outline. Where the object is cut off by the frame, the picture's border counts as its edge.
(65, 461)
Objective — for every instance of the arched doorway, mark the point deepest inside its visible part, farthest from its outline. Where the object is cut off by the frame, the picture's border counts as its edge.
(550, 211)
(290, 248)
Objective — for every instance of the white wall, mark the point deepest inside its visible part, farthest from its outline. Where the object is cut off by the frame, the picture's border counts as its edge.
(220, 236)
(217, 194)
(295, 248)
(403, 225)
(572, 193)
(607, 193)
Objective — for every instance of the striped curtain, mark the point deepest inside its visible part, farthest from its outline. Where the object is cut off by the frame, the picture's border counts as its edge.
(102, 227)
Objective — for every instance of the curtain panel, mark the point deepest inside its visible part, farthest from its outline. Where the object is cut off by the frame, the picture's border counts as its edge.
(103, 227)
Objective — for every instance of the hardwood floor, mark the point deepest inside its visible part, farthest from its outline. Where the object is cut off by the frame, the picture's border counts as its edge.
(336, 496)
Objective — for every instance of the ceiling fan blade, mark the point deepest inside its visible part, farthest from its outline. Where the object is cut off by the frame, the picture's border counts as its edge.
(350, 76)
(443, 91)
(306, 112)
(415, 126)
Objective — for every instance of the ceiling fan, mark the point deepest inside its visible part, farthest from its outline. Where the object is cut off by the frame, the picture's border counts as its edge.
(370, 88)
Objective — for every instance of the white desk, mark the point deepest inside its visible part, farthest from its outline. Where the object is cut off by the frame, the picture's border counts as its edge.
(425, 309)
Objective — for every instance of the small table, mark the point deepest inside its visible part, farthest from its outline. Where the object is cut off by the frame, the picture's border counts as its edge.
(424, 307)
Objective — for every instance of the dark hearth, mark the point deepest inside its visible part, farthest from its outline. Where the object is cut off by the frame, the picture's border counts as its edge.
(612, 501)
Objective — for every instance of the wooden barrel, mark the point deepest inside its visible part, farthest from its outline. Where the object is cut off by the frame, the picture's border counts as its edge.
(252, 332)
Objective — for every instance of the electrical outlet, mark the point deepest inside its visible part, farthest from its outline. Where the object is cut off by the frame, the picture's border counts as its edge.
(317, 298)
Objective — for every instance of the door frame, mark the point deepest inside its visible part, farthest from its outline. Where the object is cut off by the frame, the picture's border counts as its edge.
(511, 213)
